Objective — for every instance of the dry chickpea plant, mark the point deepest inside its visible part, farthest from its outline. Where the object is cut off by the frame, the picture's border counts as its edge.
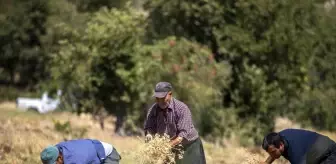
(252, 158)
(158, 151)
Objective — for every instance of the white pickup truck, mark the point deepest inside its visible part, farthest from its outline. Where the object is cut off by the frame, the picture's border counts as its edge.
(41, 105)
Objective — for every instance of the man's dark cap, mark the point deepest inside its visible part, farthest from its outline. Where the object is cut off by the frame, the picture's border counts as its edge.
(161, 89)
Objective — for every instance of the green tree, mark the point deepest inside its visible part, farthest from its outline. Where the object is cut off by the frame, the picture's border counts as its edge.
(317, 103)
(87, 61)
(22, 27)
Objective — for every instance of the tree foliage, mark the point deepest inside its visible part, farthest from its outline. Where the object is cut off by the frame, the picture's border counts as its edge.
(20, 46)
(236, 64)
(88, 60)
(269, 44)
(95, 5)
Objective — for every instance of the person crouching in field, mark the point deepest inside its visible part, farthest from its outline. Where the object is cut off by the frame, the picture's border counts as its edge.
(300, 147)
(171, 116)
(81, 151)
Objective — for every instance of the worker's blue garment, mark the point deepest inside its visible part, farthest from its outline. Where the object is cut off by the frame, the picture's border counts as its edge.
(83, 151)
(305, 147)
(297, 144)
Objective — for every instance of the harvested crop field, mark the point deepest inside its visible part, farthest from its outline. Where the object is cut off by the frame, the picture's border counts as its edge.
(23, 135)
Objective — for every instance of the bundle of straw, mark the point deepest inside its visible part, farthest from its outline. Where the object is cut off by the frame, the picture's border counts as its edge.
(158, 151)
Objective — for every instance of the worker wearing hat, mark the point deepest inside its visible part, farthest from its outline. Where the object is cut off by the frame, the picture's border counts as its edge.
(170, 116)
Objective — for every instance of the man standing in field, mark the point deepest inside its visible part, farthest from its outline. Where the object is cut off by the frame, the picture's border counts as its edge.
(82, 151)
(300, 147)
(173, 117)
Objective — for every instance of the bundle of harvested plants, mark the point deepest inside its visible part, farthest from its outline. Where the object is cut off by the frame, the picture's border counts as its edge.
(158, 151)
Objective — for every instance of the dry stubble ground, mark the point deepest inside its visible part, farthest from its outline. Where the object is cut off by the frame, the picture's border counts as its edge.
(23, 135)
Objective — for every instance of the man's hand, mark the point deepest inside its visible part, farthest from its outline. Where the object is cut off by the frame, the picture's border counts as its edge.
(269, 160)
(175, 141)
(148, 138)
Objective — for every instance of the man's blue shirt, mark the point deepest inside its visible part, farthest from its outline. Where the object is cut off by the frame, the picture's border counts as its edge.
(297, 144)
(82, 151)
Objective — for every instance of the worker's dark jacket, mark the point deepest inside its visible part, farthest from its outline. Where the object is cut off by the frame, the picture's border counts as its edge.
(307, 147)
